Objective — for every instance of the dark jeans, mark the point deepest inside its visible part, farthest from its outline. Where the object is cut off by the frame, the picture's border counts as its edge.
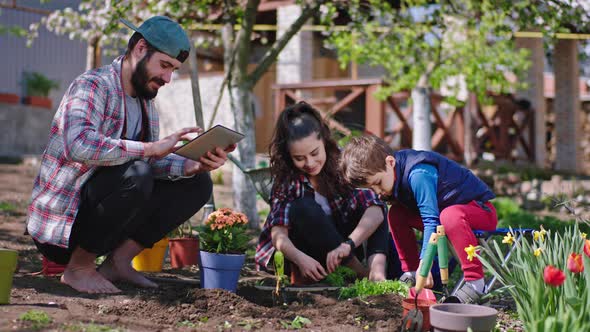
(126, 202)
(316, 234)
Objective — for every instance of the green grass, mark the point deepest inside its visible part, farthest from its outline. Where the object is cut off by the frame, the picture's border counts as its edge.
(6, 207)
(510, 214)
(37, 319)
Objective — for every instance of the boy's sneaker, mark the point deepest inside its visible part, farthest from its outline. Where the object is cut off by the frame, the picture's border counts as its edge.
(408, 278)
(469, 295)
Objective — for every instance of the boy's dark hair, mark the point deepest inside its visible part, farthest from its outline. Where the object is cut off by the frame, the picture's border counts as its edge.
(362, 158)
(294, 123)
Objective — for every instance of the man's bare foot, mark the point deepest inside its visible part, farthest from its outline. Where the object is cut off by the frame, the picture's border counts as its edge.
(114, 270)
(87, 280)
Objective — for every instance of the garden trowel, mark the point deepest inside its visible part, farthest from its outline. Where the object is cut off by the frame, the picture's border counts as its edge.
(414, 320)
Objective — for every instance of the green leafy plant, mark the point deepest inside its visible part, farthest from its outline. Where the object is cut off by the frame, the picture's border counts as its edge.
(341, 276)
(297, 323)
(8, 208)
(364, 287)
(548, 277)
(37, 318)
(510, 214)
(224, 232)
(37, 84)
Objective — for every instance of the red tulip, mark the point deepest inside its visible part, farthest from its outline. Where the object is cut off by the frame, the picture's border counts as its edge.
(587, 247)
(575, 263)
(553, 276)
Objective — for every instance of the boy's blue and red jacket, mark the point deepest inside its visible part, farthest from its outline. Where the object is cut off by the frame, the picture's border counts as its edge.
(427, 182)
(456, 184)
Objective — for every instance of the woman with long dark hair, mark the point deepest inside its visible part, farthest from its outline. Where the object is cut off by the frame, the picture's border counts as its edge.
(317, 220)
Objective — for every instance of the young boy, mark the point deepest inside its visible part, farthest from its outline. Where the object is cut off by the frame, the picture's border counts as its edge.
(426, 190)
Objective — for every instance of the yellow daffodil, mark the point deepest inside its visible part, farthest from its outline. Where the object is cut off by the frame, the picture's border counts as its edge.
(470, 252)
(539, 234)
(583, 235)
(508, 238)
(537, 252)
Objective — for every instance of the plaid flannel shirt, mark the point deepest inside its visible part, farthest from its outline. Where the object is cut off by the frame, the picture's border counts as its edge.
(342, 207)
(86, 134)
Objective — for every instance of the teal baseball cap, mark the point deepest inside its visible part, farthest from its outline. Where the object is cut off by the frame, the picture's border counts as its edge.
(165, 35)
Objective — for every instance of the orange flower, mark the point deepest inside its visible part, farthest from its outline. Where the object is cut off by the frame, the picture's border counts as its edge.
(587, 247)
(553, 276)
(575, 263)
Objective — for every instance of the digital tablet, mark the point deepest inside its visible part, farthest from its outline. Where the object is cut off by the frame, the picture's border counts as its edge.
(216, 137)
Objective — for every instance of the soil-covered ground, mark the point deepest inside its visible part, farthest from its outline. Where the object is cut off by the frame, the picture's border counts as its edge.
(178, 303)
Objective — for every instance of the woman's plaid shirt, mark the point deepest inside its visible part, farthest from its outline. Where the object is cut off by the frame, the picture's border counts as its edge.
(86, 134)
(284, 195)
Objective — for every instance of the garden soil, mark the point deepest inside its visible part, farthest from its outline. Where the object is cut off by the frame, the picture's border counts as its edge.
(178, 303)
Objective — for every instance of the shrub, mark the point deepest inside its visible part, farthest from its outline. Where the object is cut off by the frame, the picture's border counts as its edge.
(37, 84)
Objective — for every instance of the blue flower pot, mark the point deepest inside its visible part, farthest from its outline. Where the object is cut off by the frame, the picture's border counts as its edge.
(220, 270)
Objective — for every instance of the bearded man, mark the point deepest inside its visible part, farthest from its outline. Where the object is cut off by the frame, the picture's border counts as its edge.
(107, 184)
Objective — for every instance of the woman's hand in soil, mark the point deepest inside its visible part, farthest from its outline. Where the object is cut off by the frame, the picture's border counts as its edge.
(336, 256)
(311, 268)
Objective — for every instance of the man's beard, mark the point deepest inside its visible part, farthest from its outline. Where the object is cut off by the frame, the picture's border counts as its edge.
(140, 80)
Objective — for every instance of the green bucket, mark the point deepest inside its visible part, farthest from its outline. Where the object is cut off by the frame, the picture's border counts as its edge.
(8, 260)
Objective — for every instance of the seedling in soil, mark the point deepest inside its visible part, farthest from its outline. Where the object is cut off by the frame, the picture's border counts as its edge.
(342, 276)
(298, 322)
(278, 294)
(36, 318)
(250, 324)
(363, 288)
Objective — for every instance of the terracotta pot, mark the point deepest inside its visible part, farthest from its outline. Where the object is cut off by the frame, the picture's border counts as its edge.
(9, 98)
(423, 306)
(51, 268)
(462, 317)
(44, 102)
(184, 251)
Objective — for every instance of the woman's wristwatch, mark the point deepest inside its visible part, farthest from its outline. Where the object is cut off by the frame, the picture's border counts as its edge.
(350, 242)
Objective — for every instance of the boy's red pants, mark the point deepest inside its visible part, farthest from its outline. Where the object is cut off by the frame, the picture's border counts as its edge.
(458, 220)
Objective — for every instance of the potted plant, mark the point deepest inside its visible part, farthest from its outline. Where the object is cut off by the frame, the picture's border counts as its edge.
(223, 246)
(37, 88)
(184, 246)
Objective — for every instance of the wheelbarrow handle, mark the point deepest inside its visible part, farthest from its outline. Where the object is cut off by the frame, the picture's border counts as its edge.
(443, 254)
(426, 263)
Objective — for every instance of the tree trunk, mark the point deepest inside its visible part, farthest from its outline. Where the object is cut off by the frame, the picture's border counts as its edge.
(469, 149)
(93, 54)
(244, 191)
(422, 133)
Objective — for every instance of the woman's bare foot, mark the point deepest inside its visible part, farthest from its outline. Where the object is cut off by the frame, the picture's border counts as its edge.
(114, 270)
